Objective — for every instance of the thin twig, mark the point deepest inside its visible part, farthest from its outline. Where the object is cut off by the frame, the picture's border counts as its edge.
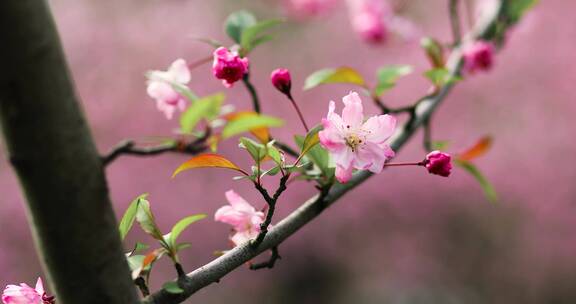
(252, 91)
(271, 201)
(275, 256)
(455, 21)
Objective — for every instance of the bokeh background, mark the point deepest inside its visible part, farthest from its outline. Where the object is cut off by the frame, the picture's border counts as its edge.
(402, 237)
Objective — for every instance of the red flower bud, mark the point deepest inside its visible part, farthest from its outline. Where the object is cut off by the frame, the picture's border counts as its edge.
(438, 163)
(281, 80)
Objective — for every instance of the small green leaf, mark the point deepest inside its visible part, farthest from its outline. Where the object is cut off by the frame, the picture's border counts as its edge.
(172, 287)
(515, 9)
(272, 171)
(256, 150)
(237, 22)
(254, 32)
(440, 145)
(311, 139)
(135, 261)
(316, 154)
(130, 215)
(434, 51)
(145, 218)
(180, 226)
(274, 153)
(484, 183)
(338, 75)
(205, 108)
(441, 77)
(388, 76)
(249, 123)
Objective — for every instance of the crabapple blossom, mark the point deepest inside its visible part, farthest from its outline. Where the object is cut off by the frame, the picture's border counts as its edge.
(308, 8)
(228, 66)
(353, 143)
(25, 294)
(478, 56)
(367, 18)
(161, 87)
(281, 80)
(438, 163)
(242, 216)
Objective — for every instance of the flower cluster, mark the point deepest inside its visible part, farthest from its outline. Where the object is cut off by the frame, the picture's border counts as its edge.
(229, 66)
(242, 216)
(353, 143)
(24, 294)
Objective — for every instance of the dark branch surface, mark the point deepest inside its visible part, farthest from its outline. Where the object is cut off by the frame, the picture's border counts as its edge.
(59, 169)
(218, 268)
(128, 147)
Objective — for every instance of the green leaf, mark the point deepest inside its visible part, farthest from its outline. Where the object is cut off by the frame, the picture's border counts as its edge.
(272, 171)
(237, 23)
(256, 150)
(338, 75)
(440, 145)
(515, 9)
(318, 155)
(184, 91)
(135, 261)
(254, 32)
(172, 287)
(434, 51)
(484, 183)
(181, 225)
(130, 215)
(248, 123)
(441, 77)
(274, 153)
(311, 139)
(145, 218)
(205, 108)
(387, 77)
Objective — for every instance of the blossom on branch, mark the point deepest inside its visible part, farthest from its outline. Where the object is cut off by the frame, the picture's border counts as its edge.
(478, 56)
(438, 163)
(353, 143)
(162, 87)
(281, 80)
(24, 294)
(229, 66)
(242, 216)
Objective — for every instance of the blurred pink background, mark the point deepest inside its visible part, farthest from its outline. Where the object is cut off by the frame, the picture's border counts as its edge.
(402, 237)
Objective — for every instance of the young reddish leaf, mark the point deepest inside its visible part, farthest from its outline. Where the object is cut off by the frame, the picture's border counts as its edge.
(338, 75)
(478, 149)
(208, 160)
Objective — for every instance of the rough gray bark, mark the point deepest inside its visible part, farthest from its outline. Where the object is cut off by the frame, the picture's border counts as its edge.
(58, 166)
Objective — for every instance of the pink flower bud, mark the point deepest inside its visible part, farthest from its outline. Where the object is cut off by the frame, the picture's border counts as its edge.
(438, 163)
(25, 294)
(281, 80)
(228, 66)
(478, 56)
(368, 18)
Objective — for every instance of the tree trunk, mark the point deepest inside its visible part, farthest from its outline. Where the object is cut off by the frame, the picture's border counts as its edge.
(59, 169)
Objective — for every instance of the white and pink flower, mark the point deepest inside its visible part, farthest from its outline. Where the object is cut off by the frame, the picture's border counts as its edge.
(161, 87)
(24, 294)
(242, 216)
(353, 143)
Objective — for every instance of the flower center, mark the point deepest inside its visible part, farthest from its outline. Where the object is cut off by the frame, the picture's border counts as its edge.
(353, 141)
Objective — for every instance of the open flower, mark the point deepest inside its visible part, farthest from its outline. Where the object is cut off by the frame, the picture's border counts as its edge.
(308, 8)
(24, 294)
(228, 66)
(242, 216)
(478, 56)
(161, 87)
(438, 163)
(353, 143)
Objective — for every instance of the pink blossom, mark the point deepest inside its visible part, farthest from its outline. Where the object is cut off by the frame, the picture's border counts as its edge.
(308, 8)
(228, 66)
(368, 19)
(161, 87)
(478, 56)
(25, 294)
(281, 80)
(353, 143)
(438, 163)
(242, 216)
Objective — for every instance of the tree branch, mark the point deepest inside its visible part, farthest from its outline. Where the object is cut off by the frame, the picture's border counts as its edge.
(218, 268)
(59, 169)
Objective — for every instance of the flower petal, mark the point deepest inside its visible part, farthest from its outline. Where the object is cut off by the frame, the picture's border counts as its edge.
(379, 128)
(352, 113)
(179, 71)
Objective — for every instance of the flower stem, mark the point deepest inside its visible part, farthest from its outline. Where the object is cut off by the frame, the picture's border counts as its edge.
(252, 91)
(298, 111)
(403, 164)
